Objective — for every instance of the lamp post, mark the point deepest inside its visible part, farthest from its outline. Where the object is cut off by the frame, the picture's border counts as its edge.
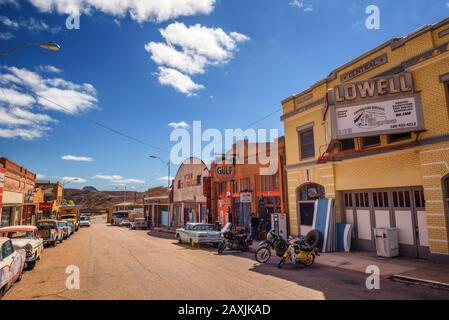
(69, 182)
(44, 45)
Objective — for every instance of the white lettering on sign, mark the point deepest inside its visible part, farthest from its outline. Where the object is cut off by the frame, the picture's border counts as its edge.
(390, 115)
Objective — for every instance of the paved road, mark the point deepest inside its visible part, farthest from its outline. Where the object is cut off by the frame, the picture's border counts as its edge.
(116, 263)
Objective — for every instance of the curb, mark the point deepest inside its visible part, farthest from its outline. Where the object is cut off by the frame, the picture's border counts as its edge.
(421, 282)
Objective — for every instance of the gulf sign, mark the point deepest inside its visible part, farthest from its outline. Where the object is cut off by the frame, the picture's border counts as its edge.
(224, 172)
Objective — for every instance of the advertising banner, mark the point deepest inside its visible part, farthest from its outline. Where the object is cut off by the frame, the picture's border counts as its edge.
(383, 117)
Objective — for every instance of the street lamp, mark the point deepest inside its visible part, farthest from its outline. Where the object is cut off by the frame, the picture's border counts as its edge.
(44, 45)
(168, 166)
(69, 181)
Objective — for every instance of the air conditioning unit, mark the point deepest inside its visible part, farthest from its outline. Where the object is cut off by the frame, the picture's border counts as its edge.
(387, 242)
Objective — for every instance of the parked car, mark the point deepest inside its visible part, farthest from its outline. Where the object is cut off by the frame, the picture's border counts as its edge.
(84, 221)
(65, 229)
(72, 227)
(12, 263)
(50, 232)
(139, 223)
(28, 239)
(198, 233)
(125, 223)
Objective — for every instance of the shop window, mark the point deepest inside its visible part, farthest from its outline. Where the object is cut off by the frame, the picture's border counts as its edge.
(179, 184)
(401, 199)
(380, 200)
(371, 141)
(311, 192)
(348, 200)
(362, 200)
(347, 144)
(198, 179)
(420, 201)
(399, 137)
(307, 144)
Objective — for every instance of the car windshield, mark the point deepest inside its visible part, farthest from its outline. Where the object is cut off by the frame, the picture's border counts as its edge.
(67, 217)
(46, 225)
(204, 227)
(85, 219)
(62, 224)
(17, 234)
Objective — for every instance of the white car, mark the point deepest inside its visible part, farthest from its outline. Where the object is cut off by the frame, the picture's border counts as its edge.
(84, 222)
(12, 263)
(28, 239)
(125, 223)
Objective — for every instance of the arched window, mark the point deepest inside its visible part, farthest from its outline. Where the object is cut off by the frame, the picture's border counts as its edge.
(311, 192)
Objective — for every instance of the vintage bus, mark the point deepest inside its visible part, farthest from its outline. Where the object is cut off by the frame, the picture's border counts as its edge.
(118, 217)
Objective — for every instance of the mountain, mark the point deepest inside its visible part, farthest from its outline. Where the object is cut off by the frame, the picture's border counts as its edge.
(91, 198)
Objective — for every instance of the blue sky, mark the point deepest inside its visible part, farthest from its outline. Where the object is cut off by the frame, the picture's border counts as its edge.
(227, 63)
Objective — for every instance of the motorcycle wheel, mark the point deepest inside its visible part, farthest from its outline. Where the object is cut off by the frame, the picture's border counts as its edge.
(221, 248)
(309, 261)
(263, 255)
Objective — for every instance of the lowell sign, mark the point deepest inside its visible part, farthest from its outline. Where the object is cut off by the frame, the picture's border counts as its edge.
(386, 105)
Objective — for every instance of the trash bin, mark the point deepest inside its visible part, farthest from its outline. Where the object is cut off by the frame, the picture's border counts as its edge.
(387, 242)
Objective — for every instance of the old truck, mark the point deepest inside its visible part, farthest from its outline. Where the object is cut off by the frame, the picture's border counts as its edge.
(70, 213)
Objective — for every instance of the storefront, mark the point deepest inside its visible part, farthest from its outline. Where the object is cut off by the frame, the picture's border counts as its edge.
(157, 211)
(190, 193)
(374, 136)
(239, 189)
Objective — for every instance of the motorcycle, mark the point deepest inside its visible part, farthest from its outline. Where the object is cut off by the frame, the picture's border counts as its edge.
(274, 241)
(233, 240)
(300, 249)
(299, 252)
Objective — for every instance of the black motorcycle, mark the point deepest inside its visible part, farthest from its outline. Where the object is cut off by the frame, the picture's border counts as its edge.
(280, 245)
(233, 240)
(274, 241)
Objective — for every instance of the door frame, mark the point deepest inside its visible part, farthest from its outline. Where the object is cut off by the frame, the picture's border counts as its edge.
(415, 250)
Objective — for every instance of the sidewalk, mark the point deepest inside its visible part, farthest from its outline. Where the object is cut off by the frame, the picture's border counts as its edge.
(412, 271)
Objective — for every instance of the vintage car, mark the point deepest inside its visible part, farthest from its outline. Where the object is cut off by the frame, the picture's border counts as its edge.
(125, 223)
(198, 233)
(26, 238)
(50, 232)
(65, 229)
(84, 221)
(12, 263)
(139, 223)
(72, 227)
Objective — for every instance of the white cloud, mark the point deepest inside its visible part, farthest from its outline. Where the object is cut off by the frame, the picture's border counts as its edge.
(9, 22)
(300, 4)
(179, 125)
(139, 10)
(77, 158)
(13, 2)
(50, 69)
(178, 80)
(31, 24)
(16, 98)
(40, 176)
(6, 35)
(25, 95)
(189, 50)
(117, 179)
(76, 180)
(166, 179)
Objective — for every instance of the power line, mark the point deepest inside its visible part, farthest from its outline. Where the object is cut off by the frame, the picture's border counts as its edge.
(125, 135)
(262, 119)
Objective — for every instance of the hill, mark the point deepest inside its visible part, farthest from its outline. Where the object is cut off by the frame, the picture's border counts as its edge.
(91, 198)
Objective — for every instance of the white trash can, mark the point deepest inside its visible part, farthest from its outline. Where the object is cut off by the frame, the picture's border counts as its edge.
(387, 242)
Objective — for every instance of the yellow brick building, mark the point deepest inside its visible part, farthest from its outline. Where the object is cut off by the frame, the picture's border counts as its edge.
(374, 135)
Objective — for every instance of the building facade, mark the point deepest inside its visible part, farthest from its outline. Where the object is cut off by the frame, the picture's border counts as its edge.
(190, 194)
(17, 200)
(374, 135)
(240, 189)
(52, 198)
